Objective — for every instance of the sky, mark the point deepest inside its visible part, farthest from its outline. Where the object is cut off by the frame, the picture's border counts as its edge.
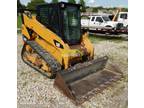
(94, 3)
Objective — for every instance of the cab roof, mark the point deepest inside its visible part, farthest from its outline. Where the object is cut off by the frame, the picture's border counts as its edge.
(60, 4)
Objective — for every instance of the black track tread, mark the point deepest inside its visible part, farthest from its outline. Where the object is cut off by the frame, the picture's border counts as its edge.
(49, 59)
(53, 63)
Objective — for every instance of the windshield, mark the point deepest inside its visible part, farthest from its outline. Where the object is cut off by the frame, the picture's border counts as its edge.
(72, 24)
(106, 18)
(124, 16)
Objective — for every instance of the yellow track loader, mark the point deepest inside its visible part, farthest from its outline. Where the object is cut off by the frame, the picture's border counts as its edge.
(55, 46)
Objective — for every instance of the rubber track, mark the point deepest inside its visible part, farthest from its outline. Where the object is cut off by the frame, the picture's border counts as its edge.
(49, 59)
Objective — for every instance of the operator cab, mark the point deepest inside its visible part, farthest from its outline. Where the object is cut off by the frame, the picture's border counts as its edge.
(63, 19)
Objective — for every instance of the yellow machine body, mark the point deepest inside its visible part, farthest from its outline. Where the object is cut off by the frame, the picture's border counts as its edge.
(68, 55)
(45, 38)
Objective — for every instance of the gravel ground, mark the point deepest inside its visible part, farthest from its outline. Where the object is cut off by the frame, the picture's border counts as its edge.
(36, 91)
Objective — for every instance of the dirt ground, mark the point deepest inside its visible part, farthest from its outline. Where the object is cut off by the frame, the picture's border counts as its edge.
(36, 91)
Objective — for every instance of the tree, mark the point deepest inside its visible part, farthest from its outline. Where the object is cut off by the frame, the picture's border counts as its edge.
(32, 5)
(72, 1)
(20, 6)
(95, 9)
(100, 8)
(82, 2)
(55, 1)
(125, 9)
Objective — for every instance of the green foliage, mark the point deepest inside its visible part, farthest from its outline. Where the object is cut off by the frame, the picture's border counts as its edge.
(32, 5)
(125, 9)
(72, 1)
(19, 22)
(55, 1)
(95, 9)
(82, 2)
(20, 6)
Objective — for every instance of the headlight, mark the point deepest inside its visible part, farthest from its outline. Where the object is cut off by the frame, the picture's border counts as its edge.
(58, 44)
(24, 38)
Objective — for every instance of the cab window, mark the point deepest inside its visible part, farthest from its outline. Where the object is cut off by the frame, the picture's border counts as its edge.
(92, 18)
(124, 16)
(99, 19)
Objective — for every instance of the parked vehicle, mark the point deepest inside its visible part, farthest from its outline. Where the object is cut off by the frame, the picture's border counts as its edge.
(100, 22)
(121, 17)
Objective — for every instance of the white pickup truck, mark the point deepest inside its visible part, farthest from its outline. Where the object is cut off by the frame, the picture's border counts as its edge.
(98, 22)
(123, 18)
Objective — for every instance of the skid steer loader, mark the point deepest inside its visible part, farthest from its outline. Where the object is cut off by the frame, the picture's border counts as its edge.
(56, 47)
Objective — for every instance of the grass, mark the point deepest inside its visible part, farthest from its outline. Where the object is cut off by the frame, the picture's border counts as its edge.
(19, 21)
(96, 39)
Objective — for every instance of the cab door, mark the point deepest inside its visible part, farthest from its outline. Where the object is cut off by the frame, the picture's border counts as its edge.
(99, 22)
(92, 23)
